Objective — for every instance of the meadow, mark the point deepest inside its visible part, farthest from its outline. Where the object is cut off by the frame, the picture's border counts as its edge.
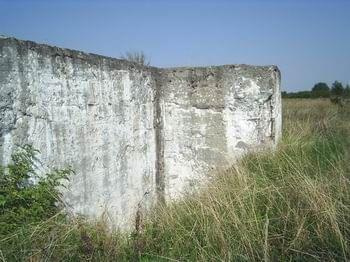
(292, 204)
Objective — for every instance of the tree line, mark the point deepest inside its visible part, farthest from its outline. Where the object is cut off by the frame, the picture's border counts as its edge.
(321, 90)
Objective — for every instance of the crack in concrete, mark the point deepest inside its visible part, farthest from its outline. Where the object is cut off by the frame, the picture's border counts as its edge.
(159, 139)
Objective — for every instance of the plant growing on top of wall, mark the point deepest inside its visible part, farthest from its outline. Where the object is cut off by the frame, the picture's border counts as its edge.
(138, 57)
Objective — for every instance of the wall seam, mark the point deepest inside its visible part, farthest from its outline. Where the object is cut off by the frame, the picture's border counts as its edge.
(158, 124)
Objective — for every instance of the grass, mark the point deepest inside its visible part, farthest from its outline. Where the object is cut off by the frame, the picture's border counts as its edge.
(289, 205)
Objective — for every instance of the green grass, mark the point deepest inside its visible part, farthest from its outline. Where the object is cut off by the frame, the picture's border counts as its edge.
(289, 205)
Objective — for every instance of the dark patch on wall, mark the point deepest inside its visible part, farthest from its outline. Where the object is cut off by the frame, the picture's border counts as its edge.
(159, 137)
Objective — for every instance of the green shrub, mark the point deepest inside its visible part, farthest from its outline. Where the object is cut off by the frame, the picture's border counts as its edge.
(26, 197)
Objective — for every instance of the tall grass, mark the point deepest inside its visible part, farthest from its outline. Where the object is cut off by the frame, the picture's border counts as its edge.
(293, 204)
(289, 205)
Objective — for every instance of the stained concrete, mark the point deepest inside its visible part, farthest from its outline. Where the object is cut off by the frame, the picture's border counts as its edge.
(134, 135)
(212, 116)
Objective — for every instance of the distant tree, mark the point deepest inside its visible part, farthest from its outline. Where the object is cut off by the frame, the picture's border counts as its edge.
(137, 57)
(300, 94)
(347, 91)
(337, 89)
(303, 94)
(320, 90)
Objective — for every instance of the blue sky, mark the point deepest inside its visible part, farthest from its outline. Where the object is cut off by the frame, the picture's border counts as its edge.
(309, 40)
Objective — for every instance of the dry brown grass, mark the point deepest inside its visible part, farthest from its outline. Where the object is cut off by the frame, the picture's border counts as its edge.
(290, 205)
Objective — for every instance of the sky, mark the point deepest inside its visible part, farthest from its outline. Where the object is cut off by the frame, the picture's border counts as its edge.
(308, 40)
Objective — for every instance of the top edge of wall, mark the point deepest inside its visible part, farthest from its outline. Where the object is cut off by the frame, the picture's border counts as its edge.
(66, 52)
(229, 66)
(51, 50)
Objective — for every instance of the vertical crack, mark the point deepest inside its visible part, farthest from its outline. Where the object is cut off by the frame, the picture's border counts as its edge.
(159, 137)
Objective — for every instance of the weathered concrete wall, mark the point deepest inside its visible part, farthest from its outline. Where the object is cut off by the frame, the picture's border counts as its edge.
(212, 116)
(88, 111)
(134, 135)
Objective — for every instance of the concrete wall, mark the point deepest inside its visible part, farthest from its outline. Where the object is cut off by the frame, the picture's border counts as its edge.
(214, 115)
(134, 135)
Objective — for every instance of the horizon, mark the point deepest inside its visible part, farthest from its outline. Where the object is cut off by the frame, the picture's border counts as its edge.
(308, 41)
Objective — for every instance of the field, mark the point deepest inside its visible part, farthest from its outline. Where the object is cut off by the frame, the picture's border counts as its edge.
(289, 205)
